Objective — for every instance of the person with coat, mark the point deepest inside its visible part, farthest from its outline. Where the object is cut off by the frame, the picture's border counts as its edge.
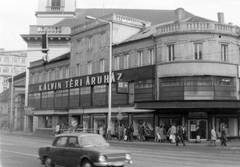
(213, 137)
(198, 134)
(179, 136)
(224, 136)
(157, 136)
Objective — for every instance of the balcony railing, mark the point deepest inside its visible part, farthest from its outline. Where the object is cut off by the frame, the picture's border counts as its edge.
(198, 27)
(40, 29)
(55, 8)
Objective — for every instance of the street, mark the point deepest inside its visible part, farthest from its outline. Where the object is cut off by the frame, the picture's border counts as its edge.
(21, 150)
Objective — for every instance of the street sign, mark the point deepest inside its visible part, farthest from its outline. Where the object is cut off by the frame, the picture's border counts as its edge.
(119, 116)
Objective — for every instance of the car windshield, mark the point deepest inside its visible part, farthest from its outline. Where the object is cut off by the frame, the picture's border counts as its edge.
(92, 140)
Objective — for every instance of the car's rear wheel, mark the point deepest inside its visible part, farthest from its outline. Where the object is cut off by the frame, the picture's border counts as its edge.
(48, 162)
(86, 163)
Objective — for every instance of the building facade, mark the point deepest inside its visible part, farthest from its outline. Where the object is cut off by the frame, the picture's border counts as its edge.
(184, 71)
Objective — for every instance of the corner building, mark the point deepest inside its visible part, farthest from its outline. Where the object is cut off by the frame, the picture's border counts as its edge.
(183, 72)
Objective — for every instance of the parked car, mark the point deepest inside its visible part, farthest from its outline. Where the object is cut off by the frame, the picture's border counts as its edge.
(82, 150)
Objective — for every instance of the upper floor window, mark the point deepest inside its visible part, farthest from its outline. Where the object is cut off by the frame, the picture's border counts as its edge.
(150, 56)
(89, 43)
(140, 58)
(103, 39)
(5, 70)
(56, 3)
(198, 50)
(89, 68)
(116, 62)
(171, 56)
(79, 46)
(224, 52)
(66, 72)
(6, 59)
(102, 65)
(126, 61)
(23, 60)
(15, 59)
(78, 72)
(56, 73)
(60, 73)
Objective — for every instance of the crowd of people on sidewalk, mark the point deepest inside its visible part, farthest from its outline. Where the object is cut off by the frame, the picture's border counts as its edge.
(174, 134)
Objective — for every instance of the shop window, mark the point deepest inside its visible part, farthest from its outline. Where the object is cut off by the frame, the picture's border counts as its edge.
(145, 121)
(224, 81)
(232, 126)
(74, 97)
(48, 121)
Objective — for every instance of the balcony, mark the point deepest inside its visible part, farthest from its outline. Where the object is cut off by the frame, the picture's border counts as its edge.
(40, 29)
(54, 8)
(199, 27)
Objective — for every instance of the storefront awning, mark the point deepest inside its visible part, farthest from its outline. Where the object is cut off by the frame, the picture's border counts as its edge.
(187, 104)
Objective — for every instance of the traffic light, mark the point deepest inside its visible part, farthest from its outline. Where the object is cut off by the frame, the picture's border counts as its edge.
(45, 43)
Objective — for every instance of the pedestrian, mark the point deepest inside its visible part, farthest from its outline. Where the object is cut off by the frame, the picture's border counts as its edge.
(172, 133)
(57, 129)
(224, 136)
(157, 136)
(161, 133)
(198, 134)
(184, 133)
(164, 134)
(101, 131)
(179, 136)
(128, 133)
(131, 132)
(213, 137)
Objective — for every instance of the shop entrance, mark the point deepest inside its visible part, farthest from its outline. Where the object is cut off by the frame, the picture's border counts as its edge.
(192, 126)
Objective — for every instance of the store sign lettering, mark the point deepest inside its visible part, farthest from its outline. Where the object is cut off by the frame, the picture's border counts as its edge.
(79, 82)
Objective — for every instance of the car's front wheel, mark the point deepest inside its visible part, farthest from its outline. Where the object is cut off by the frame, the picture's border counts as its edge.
(86, 163)
(48, 162)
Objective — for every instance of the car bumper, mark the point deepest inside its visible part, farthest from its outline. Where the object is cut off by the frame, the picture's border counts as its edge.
(118, 163)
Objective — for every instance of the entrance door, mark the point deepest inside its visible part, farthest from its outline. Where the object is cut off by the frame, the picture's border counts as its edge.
(192, 126)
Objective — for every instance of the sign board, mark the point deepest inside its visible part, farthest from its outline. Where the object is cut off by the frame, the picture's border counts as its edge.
(119, 116)
(122, 87)
(29, 110)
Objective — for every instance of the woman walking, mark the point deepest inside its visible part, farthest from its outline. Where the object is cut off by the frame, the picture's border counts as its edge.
(213, 137)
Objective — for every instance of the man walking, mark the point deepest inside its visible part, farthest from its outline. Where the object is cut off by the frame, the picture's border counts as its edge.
(213, 137)
(179, 136)
(224, 136)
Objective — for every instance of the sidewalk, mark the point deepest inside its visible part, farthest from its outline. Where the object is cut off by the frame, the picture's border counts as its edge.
(235, 143)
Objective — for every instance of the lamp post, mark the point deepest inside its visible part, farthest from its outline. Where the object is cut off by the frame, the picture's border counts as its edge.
(110, 73)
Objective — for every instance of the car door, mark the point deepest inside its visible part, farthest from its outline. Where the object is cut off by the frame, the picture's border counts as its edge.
(72, 152)
(58, 150)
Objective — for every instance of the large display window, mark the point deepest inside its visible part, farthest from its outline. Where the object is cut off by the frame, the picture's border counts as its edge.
(146, 121)
(232, 126)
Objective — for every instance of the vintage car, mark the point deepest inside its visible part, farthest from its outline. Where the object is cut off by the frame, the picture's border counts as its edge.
(82, 150)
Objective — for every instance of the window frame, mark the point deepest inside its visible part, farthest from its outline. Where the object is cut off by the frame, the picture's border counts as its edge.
(126, 61)
(140, 58)
(224, 52)
(198, 51)
(171, 52)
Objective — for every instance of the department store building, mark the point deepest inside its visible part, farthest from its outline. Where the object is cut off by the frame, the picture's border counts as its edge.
(182, 72)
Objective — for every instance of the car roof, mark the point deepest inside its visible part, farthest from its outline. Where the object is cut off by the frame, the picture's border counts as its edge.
(76, 134)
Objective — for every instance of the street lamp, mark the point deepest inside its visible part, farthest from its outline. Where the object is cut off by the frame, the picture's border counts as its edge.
(110, 73)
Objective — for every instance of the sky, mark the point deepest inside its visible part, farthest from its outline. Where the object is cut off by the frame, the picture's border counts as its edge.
(17, 15)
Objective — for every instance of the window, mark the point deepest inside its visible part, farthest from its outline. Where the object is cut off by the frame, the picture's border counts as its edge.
(89, 68)
(56, 3)
(89, 43)
(73, 142)
(126, 59)
(224, 52)
(150, 56)
(116, 62)
(6, 59)
(198, 48)
(15, 71)
(60, 73)
(103, 39)
(140, 58)
(78, 72)
(62, 141)
(50, 75)
(171, 53)
(22, 70)
(15, 59)
(6, 70)
(66, 72)
(23, 60)
(102, 65)
(79, 46)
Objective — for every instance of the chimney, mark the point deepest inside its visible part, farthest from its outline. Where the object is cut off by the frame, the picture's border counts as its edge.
(221, 18)
(179, 14)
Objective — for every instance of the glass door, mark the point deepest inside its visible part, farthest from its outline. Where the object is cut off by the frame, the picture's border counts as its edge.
(192, 124)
